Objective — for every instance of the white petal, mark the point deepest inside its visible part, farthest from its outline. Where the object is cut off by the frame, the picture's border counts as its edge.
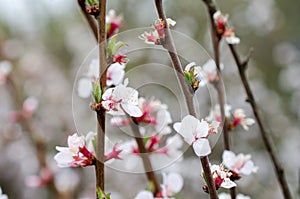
(229, 159)
(241, 196)
(144, 195)
(63, 159)
(201, 147)
(132, 110)
(174, 182)
(248, 168)
(84, 88)
(233, 40)
(202, 129)
(227, 183)
(107, 94)
(188, 128)
(177, 126)
(93, 69)
(224, 196)
(171, 22)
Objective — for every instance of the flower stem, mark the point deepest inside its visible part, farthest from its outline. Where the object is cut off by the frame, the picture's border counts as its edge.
(188, 92)
(267, 140)
(100, 146)
(143, 154)
(88, 17)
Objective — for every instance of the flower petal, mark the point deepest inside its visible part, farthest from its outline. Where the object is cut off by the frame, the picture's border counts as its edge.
(132, 110)
(201, 147)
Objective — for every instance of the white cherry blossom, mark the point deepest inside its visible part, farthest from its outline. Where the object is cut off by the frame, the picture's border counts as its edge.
(240, 164)
(121, 98)
(195, 133)
(240, 117)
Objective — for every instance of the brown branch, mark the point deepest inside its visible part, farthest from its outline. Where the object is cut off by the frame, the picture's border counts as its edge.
(187, 90)
(219, 85)
(267, 140)
(143, 154)
(33, 133)
(88, 17)
(100, 146)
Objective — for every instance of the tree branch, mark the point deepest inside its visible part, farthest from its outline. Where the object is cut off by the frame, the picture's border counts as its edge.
(188, 93)
(100, 146)
(143, 154)
(89, 18)
(267, 140)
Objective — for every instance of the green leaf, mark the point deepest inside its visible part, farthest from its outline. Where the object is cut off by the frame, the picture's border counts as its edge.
(101, 194)
(150, 187)
(97, 91)
(188, 77)
(111, 45)
(117, 46)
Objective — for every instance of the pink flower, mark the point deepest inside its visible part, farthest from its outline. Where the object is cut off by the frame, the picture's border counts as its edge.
(195, 133)
(113, 23)
(42, 180)
(239, 164)
(30, 105)
(221, 177)
(239, 118)
(79, 152)
(121, 98)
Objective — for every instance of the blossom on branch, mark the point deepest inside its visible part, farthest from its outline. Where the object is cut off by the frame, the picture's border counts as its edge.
(239, 118)
(157, 35)
(223, 29)
(195, 133)
(238, 164)
(113, 23)
(221, 177)
(79, 153)
(114, 76)
(121, 98)
(199, 76)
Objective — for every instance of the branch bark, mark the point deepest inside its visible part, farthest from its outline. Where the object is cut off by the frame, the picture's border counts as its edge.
(100, 146)
(143, 154)
(89, 18)
(188, 92)
(267, 140)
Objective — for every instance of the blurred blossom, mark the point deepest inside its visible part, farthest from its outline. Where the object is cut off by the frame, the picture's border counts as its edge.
(45, 176)
(30, 105)
(2, 195)
(5, 69)
(289, 77)
(13, 48)
(264, 15)
(239, 164)
(66, 180)
(285, 54)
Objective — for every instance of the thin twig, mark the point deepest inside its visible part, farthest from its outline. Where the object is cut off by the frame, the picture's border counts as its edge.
(188, 92)
(33, 133)
(143, 154)
(89, 18)
(267, 140)
(100, 146)
(219, 85)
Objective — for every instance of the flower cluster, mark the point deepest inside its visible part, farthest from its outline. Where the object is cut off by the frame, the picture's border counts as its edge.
(79, 153)
(199, 76)
(30, 106)
(42, 180)
(172, 184)
(237, 118)
(238, 164)
(5, 69)
(120, 100)
(113, 23)
(114, 76)
(223, 29)
(196, 132)
(221, 177)
(157, 35)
